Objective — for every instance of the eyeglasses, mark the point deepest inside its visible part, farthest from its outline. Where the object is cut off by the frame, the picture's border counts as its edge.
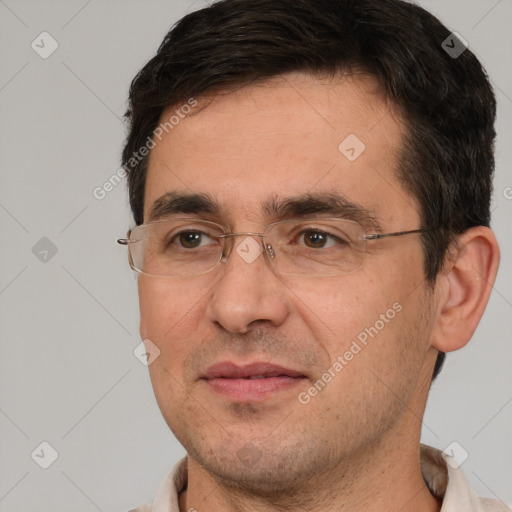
(188, 247)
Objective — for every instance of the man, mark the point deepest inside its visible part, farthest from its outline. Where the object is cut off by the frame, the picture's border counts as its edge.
(310, 183)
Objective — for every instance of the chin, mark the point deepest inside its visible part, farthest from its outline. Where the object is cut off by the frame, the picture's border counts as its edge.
(258, 467)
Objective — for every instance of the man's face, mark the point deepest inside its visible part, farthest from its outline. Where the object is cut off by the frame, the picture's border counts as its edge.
(278, 141)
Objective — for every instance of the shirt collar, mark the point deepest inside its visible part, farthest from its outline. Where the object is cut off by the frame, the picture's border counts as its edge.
(447, 482)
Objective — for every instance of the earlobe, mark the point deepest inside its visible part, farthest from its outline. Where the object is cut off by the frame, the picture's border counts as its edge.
(464, 287)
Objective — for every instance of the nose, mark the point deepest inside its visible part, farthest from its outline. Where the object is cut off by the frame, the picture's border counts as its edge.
(248, 292)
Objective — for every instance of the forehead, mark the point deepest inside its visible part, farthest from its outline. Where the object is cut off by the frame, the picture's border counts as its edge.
(289, 136)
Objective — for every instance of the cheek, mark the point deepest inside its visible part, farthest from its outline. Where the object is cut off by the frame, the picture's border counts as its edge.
(343, 306)
(169, 318)
(168, 315)
(155, 304)
(367, 308)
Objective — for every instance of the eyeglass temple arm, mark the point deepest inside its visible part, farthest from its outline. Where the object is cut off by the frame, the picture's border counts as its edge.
(377, 236)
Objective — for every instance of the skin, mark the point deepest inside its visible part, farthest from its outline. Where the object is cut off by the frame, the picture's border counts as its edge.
(361, 432)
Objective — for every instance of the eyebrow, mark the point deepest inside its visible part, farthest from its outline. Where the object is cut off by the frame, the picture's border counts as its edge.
(177, 202)
(308, 204)
(323, 203)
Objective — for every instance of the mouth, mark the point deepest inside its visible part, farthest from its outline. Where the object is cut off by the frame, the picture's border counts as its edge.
(253, 382)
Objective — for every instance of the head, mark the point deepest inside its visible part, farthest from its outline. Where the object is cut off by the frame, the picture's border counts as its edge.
(263, 95)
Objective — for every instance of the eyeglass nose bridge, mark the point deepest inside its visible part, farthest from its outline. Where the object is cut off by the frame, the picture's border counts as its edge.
(228, 247)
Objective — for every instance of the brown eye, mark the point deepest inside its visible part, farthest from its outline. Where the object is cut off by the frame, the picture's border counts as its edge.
(190, 239)
(318, 239)
(315, 239)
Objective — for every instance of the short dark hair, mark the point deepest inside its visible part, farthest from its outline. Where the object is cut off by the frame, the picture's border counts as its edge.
(447, 103)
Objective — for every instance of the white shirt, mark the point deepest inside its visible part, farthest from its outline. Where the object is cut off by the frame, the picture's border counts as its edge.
(445, 482)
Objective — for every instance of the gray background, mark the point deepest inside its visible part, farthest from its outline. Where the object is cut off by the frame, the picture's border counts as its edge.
(69, 320)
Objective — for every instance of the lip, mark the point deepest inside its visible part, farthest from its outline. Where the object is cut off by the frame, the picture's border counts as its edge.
(229, 370)
(252, 382)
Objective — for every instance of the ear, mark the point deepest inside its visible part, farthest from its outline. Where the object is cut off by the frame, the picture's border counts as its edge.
(463, 288)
